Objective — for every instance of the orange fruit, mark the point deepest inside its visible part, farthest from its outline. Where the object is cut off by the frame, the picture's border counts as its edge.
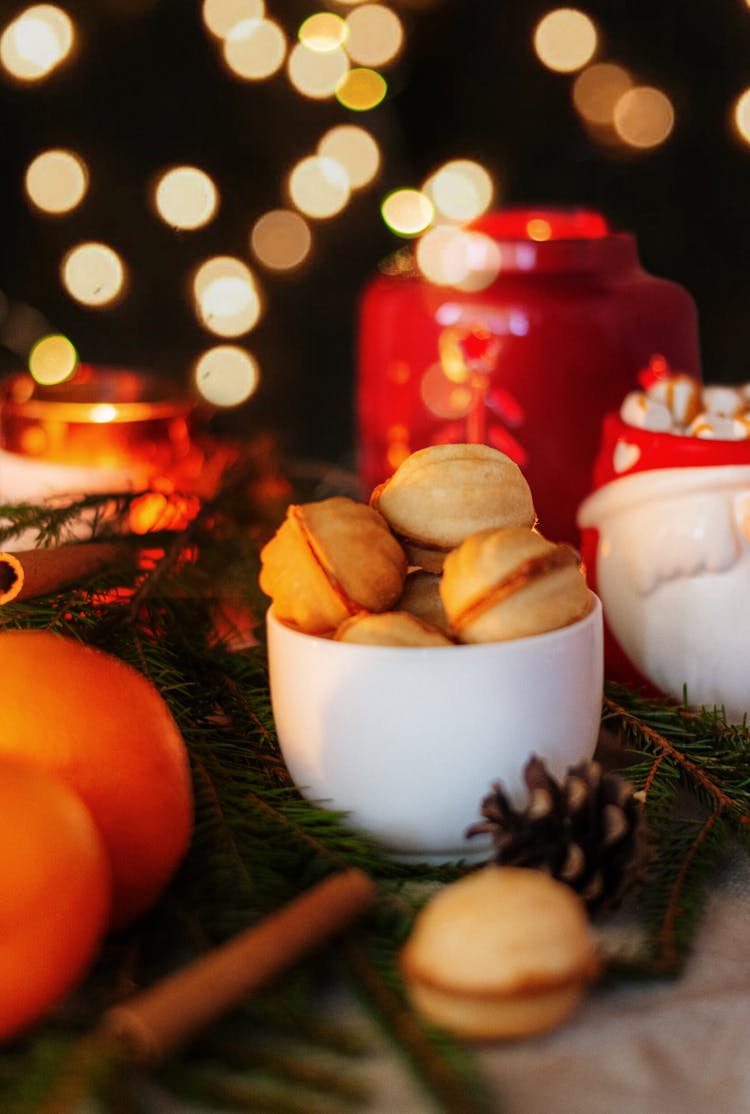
(101, 727)
(54, 892)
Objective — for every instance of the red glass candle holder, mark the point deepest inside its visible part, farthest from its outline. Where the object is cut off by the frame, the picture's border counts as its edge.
(530, 364)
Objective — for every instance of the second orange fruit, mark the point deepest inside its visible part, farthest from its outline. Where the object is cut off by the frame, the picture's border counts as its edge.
(102, 728)
(55, 886)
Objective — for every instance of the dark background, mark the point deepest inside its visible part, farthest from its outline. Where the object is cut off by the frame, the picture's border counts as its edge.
(147, 89)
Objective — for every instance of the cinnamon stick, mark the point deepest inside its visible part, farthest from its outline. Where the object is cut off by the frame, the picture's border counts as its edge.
(41, 572)
(157, 1021)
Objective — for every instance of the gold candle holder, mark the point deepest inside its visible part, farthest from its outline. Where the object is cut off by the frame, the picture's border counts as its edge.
(103, 418)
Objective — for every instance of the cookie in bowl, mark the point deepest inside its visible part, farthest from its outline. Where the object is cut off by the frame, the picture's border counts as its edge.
(442, 494)
(514, 583)
(390, 628)
(329, 560)
(421, 597)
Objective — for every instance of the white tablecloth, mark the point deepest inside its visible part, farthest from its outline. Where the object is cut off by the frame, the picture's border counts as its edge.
(667, 1047)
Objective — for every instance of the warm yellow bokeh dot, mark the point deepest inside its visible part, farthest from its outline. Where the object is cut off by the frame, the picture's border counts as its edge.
(355, 149)
(93, 274)
(225, 296)
(226, 375)
(255, 49)
(56, 181)
(319, 186)
(36, 42)
(185, 197)
(314, 73)
(53, 359)
(539, 229)
(407, 212)
(361, 89)
(565, 40)
(461, 190)
(281, 239)
(597, 89)
(323, 31)
(442, 397)
(643, 117)
(220, 16)
(741, 114)
(450, 256)
(376, 35)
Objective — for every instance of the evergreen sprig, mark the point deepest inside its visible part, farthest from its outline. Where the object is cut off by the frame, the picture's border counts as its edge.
(693, 771)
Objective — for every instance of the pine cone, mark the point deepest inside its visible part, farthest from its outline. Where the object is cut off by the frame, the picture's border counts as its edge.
(587, 831)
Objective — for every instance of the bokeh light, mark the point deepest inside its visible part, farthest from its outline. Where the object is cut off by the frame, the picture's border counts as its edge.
(255, 49)
(185, 197)
(220, 16)
(226, 375)
(565, 40)
(226, 297)
(643, 117)
(53, 359)
(319, 186)
(314, 73)
(36, 42)
(361, 89)
(407, 212)
(596, 91)
(741, 115)
(460, 190)
(355, 149)
(375, 35)
(443, 397)
(323, 31)
(93, 274)
(281, 239)
(56, 181)
(450, 256)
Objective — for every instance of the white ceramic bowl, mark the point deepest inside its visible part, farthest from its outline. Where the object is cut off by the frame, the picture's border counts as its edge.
(407, 741)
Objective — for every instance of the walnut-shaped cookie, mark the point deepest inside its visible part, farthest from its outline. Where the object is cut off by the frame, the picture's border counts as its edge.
(329, 560)
(421, 598)
(503, 953)
(390, 628)
(503, 584)
(442, 494)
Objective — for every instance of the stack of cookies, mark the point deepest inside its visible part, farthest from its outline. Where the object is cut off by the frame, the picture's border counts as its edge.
(446, 551)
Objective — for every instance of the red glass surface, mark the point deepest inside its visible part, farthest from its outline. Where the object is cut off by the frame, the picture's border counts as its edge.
(531, 364)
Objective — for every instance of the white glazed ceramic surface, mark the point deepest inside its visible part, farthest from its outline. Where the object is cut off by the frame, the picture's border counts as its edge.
(673, 574)
(408, 741)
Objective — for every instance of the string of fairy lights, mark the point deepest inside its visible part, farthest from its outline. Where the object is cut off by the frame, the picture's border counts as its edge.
(341, 56)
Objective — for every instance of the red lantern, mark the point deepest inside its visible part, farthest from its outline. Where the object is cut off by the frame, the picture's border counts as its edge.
(529, 364)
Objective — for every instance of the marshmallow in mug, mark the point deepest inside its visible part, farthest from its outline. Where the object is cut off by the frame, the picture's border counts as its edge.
(679, 404)
(720, 427)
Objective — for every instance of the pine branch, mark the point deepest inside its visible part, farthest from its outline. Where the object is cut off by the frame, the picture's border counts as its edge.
(709, 761)
(691, 743)
(676, 921)
(56, 521)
